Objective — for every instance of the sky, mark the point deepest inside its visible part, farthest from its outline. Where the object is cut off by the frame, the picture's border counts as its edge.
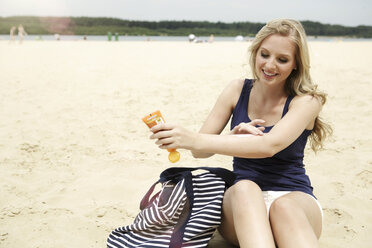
(343, 12)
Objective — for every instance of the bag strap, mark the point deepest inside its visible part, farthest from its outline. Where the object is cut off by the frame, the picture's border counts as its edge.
(175, 173)
(177, 236)
(145, 200)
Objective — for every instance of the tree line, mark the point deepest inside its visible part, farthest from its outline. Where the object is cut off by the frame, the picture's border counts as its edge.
(101, 26)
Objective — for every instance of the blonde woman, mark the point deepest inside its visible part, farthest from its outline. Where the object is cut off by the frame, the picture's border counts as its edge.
(273, 115)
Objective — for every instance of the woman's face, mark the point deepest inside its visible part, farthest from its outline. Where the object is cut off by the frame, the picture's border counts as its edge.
(275, 59)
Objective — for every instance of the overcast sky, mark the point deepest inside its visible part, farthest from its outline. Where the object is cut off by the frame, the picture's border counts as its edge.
(344, 12)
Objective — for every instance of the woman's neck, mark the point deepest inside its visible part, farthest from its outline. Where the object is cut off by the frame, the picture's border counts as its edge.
(267, 93)
(266, 102)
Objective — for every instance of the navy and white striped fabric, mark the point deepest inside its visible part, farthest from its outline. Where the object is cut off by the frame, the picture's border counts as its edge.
(185, 213)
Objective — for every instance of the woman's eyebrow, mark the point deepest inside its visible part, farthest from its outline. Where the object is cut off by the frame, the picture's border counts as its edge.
(281, 54)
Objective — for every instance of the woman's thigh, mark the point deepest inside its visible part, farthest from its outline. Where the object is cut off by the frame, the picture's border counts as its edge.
(298, 211)
(244, 213)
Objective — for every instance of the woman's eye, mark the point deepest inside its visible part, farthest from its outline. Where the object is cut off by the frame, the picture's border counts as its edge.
(282, 60)
(264, 55)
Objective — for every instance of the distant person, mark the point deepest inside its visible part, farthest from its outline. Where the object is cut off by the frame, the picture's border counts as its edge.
(12, 34)
(21, 33)
(211, 38)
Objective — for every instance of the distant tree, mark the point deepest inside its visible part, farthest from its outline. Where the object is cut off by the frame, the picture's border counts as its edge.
(102, 25)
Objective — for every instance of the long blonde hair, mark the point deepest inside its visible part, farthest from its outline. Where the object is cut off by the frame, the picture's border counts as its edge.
(299, 82)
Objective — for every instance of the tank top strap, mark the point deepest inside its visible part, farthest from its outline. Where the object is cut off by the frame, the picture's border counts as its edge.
(239, 113)
(286, 105)
(247, 87)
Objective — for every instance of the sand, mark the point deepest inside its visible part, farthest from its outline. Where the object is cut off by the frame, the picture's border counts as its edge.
(75, 158)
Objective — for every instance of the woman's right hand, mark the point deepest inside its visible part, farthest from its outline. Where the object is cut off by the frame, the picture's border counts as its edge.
(249, 128)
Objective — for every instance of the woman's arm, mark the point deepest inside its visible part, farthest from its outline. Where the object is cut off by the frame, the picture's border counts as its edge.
(302, 113)
(220, 114)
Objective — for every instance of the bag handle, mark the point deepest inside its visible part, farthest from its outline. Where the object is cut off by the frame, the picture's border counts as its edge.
(175, 172)
(145, 200)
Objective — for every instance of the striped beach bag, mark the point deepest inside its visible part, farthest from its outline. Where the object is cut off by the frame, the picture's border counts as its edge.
(184, 213)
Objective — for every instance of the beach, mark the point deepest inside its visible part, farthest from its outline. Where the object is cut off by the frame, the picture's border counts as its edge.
(76, 159)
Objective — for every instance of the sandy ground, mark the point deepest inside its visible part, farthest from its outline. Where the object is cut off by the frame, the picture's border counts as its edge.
(75, 158)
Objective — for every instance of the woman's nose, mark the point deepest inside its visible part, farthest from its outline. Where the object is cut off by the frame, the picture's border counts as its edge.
(270, 64)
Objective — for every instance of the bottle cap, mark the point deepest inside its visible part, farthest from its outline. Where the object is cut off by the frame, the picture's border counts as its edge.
(174, 156)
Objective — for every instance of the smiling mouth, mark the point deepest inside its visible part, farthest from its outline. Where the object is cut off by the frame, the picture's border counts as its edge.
(269, 74)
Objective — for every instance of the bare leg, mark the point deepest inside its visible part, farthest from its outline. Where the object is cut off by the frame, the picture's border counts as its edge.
(245, 222)
(296, 221)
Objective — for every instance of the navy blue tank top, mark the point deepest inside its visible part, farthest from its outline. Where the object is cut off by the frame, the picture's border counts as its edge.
(282, 172)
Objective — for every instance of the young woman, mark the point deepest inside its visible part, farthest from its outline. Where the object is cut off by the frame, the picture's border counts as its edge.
(272, 202)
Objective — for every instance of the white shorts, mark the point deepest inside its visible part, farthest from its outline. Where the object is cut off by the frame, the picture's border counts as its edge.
(271, 196)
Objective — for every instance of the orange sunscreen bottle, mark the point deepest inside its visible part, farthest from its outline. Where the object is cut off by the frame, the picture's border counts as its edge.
(154, 119)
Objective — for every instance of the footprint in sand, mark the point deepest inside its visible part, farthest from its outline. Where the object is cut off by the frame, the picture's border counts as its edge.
(29, 148)
(340, 218)
(335, 215)
(338, 188)
(3, 236)
(363, 179)
(10, 212)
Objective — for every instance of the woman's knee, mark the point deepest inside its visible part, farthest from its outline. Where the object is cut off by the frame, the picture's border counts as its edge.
(294, 204)
(295, 211)
(283, 207)
(235, 199)
(243, 189)
(297, 207)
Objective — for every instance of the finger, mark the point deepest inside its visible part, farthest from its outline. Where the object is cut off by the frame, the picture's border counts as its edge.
(161, 126)
(248, 129)
(164, 142)
(254, 130)
(235, 129)
(256, 122)
(161, 134)
(168, 146)
(242, 128)
(257, 131)
(261, 128)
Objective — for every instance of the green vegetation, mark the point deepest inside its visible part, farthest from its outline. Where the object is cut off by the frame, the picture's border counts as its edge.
(100, 26)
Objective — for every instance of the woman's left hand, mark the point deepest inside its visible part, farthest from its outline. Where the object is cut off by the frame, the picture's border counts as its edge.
(170, 136)
(249, 128)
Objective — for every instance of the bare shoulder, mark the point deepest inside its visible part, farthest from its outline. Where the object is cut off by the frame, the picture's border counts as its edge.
(309, 102)
(233, 90)
(236, 84)
(223, 108)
